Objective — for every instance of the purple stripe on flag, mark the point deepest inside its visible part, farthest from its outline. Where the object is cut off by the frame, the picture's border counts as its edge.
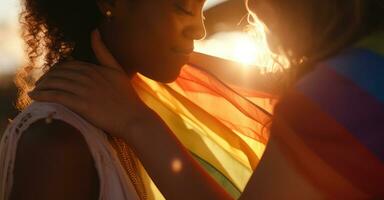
(355, 109)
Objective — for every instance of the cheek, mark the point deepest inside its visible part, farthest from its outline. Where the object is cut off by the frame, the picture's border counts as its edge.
(146, 38)
(152, 49)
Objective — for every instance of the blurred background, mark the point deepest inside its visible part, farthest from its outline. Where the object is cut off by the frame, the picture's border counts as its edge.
(227, 37)
(11, 57)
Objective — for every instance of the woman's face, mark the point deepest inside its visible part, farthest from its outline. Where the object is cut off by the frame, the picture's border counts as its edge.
(288, 22)
(153, 37)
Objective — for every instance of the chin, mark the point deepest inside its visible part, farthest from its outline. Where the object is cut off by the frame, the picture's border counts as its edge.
(167, 75)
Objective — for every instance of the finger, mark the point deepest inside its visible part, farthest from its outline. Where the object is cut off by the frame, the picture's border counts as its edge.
(102, 53)
(85, 75)
(68, 76)
(75, 63)
(62, 84)
(95, 72)
(69, 100)
(71, 65)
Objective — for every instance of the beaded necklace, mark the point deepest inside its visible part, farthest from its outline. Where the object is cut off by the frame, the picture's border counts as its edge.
(130, 163)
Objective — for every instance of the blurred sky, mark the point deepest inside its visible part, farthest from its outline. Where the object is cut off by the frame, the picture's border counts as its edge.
(9, 10)
(11, 46)
(211, 3)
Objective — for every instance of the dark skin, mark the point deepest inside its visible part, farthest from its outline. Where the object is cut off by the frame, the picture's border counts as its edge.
(51, 159)
(273, 172)
(153, 37)
(141, 128)
(160, 139)
(275, 177)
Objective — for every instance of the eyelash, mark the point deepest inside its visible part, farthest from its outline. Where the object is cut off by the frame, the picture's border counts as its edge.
(183, 10)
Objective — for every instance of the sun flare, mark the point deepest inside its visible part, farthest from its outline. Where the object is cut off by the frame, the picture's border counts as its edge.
(249, 48)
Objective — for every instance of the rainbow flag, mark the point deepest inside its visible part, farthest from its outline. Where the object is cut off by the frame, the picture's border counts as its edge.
(331, 124)
(225, 130)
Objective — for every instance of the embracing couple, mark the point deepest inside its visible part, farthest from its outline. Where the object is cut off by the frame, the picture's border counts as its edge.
(105, 125)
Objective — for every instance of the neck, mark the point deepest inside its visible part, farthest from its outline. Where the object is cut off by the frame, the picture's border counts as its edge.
(84, 52)
(108, 37)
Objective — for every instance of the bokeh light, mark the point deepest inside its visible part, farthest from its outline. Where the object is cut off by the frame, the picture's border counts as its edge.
(176, 165)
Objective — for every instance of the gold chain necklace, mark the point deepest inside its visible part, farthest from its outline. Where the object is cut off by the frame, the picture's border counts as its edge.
(129, 162)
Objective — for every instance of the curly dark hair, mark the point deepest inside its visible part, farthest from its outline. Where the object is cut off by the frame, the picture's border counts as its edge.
(54, 31)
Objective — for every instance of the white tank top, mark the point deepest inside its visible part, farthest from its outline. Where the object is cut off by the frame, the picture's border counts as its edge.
(114, 182)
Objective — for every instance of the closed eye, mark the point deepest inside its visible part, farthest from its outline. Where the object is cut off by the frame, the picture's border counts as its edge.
(183, 10)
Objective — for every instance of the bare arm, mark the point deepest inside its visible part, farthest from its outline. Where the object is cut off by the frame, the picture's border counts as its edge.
(169, 164)
(53, 162)
(157, 148)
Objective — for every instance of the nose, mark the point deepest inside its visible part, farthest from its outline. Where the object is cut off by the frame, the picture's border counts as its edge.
(196, 30)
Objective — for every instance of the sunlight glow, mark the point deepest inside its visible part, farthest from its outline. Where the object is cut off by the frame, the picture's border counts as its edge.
(249, 48)
(244, 50)
(211, 3)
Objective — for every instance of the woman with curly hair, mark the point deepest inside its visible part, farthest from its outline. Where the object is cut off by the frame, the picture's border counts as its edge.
(49, 152)
(327, 135)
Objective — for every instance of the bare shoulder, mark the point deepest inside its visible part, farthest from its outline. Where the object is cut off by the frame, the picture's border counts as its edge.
(53, 162)
(57, 135)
